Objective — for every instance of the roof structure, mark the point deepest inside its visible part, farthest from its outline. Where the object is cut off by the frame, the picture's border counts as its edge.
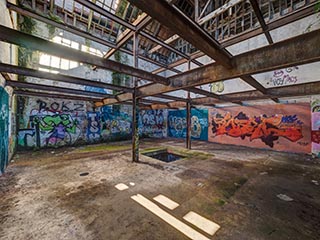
(191, 45)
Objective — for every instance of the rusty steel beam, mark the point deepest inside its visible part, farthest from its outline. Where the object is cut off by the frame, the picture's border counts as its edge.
(171, 105)
(169, 97)
(297, 90)
(79, 32)
(263, 24)
(32, 86)
(50, 95)
(254, 83)
(185, 28)
(59, 77)
(296, 15)
(105, 13)
(283, 54)
(35, 43)
(68, 28)
(139, 23)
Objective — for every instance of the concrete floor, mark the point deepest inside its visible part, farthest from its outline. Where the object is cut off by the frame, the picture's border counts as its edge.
(44, 197)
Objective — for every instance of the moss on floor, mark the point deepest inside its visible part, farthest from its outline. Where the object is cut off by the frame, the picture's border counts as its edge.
(229, 188)
(104, 148)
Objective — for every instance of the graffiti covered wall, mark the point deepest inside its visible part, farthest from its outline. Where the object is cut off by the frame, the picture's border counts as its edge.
(315, 125)
(114, 125)
(177, 124)
(4, 129)
(53, 123)
(277, 127)
(153, 123)
(50, 123)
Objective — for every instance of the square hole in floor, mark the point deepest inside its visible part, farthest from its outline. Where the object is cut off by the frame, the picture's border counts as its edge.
(164, 155)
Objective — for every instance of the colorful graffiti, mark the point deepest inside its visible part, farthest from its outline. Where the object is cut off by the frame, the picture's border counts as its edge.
(268, 129)
(58, 129)
(93, 129)
(50, 123)
(4, 127)
(115, 125)
(177, 124)
(153, 123)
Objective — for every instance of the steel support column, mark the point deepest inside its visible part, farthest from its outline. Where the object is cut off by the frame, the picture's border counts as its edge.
(135, 106)
(135, 128)
(188, 135)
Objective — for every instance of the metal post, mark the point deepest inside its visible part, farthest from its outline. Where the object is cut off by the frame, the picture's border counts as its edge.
(188, 109)
(135, 107)
(188, 139)
(196, 10)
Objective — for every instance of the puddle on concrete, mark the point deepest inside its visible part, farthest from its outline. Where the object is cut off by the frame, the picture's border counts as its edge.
(164, 155)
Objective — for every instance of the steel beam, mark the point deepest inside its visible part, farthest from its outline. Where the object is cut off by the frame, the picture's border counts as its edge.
(59, 77)
(283, 54)
(105, 13)
(139, 23)
(50, 95)
(298, 14)
(67, 28)
(35, 43)
(185, 28)
(31, 86)
(260, 17)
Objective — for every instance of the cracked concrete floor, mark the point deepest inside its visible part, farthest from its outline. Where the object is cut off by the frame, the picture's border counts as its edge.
(44, 197)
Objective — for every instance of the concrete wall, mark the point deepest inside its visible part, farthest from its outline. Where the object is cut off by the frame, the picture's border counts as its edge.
(278, 127)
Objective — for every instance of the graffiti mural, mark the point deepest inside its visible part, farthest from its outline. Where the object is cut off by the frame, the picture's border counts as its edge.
(50, 123)
(57, 129)
(4, 129)
(93, 130)
(177, 124)
(153, 123)
(280, 127)
(268, 129)
(115, 125)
